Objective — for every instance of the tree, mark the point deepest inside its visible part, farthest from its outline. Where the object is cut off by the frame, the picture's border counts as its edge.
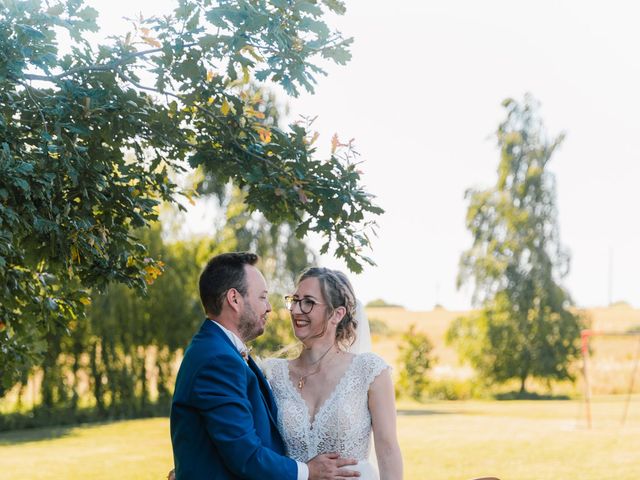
(524, 327)
(89, 137)
(380, 303)
(415, 357)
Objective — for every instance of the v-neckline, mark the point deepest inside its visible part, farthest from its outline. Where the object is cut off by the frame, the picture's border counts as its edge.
(327, 401)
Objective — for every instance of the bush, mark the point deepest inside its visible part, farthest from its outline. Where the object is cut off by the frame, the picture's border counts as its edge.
(454, 389)
(415, 360)
(379, 327)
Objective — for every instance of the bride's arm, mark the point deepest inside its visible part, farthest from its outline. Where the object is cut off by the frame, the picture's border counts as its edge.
(382, 405)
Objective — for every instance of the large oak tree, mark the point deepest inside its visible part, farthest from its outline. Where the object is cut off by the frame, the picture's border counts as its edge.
(89, 136)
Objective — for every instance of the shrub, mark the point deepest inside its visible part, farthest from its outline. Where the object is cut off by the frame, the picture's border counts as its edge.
(379, 327)
(454, 389)
(415, 359)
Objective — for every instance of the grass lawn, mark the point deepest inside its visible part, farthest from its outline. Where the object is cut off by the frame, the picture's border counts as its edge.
(517, 440)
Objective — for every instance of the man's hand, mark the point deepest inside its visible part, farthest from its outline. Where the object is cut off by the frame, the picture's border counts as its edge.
(330, 466)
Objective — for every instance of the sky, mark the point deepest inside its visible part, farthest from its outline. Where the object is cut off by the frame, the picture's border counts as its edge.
(422, 98)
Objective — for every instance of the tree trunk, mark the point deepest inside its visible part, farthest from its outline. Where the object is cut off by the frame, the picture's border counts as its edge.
(50, 372)
(97, 379)
(523, 381)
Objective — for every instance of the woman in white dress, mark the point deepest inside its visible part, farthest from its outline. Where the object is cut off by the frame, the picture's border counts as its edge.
(329, 399)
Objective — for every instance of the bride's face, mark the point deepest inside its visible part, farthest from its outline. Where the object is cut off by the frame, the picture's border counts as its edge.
(309, 312)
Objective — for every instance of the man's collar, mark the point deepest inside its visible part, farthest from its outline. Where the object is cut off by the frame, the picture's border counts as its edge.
(237, 342)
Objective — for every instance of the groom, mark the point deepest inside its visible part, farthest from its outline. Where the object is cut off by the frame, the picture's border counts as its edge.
(223, 415)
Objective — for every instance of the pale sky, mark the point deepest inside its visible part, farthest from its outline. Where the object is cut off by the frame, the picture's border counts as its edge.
(422, 97)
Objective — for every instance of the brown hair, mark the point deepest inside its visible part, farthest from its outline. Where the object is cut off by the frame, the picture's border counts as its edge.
(337, 292)
(223, 272)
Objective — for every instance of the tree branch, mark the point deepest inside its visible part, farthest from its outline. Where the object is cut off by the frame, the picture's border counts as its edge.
(99, 67)
(203, 109)
(28, 89)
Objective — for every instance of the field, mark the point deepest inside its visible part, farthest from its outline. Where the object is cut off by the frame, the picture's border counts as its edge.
(612, 359)
(440, 441)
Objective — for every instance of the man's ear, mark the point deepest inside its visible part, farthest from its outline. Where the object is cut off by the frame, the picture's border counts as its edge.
(233, 299)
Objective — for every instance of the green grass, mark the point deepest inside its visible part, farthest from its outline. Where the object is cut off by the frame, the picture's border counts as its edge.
(518, 440)
(135, 449)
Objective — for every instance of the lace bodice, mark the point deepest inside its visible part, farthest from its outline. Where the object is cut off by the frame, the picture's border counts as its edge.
(343, 422)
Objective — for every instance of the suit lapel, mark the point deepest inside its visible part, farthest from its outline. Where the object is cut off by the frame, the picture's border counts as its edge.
(265, 390)
(267, 395)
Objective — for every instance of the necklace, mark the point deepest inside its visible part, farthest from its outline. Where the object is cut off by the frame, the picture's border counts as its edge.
(303, 378)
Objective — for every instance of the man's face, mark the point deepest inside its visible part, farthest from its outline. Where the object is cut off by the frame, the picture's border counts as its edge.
(253, 317)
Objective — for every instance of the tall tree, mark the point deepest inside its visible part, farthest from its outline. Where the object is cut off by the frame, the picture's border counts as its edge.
(89, 137)
(524, 327)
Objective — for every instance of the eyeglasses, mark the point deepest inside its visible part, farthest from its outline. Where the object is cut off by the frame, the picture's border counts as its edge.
(306, 304)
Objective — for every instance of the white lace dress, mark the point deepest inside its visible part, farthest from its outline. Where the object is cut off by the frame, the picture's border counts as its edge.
(343, 422)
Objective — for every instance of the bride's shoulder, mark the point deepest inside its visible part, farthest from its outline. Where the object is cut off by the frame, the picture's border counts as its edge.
(369, 357)
(268, 365)
(371, 363)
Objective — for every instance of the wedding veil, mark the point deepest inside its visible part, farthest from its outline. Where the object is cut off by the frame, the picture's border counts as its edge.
(363, 332)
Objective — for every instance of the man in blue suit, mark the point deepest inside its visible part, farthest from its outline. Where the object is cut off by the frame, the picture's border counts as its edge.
(223, 415)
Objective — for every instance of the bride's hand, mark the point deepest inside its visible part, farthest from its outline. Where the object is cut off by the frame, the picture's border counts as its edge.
(172, 475)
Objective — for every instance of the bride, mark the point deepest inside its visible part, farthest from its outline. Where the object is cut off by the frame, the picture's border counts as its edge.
(329, 399)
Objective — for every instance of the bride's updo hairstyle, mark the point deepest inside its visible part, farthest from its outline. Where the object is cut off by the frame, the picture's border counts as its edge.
(337, 292)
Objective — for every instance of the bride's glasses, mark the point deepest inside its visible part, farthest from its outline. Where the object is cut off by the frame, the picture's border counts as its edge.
(306, 304)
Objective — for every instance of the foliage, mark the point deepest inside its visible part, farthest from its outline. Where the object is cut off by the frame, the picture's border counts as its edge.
(454, 389)
(620, 304)
(379, 327)
(284, 256)
(278, 338)
(120, 362)
(379, 302)
(415, 359)
(635, 330)
(525, 327)
(89, 137)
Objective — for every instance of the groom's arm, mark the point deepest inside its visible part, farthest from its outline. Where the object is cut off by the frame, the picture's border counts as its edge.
(220, 395)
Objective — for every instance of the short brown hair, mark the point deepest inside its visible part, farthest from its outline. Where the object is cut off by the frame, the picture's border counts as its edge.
(223, 272)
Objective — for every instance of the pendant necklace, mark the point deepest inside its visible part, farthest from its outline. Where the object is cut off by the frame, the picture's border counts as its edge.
(303, 378)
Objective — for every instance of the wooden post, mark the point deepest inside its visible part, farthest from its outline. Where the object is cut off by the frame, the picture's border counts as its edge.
(584, 335)
(631, 381)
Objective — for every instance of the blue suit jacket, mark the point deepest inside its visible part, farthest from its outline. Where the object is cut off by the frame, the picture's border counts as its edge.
(223, 415)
